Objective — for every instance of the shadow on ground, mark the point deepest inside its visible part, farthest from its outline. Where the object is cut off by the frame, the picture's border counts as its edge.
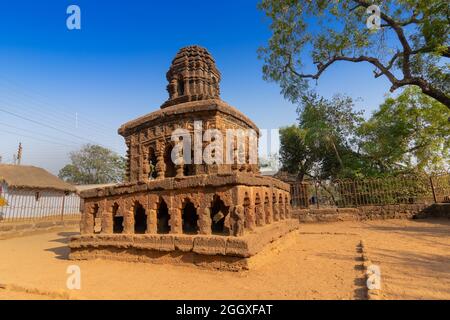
(62, 252)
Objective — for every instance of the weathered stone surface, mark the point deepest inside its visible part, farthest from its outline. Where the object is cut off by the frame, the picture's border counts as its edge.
(166, 243)
(185, 210)
(237, 247)
(210, 245)
(402, 211)
(184, 243)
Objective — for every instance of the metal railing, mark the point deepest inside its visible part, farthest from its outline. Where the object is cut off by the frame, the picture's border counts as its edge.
(376, 191)
(25, 207)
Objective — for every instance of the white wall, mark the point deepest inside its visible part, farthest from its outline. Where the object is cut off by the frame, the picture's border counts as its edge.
(22, 204)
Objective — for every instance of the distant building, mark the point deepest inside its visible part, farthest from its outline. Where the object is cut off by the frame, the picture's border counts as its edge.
(33, 193)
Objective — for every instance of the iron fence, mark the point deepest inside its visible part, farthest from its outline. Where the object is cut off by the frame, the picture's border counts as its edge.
(22, 206)
(376, 191)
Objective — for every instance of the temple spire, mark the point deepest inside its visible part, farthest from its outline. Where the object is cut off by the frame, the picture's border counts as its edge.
(192, 76)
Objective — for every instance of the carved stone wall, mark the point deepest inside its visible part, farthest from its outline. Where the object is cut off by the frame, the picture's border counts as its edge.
(247, 209)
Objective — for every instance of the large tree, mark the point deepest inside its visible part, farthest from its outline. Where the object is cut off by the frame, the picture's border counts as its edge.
(411, 47)
(409, 133)
(93, 164)
(323, 144)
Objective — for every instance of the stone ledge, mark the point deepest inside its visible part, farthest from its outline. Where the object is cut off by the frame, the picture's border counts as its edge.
(399, 211)
(217, 252)
(19, 229)
(188, 182)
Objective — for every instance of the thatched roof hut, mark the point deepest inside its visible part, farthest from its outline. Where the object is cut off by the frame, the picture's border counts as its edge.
(29, 177)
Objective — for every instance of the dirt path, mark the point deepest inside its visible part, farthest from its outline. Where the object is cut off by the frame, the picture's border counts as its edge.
(318, 262)
(414, 255)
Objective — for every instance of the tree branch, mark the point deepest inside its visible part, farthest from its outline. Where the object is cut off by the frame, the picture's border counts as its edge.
(321, 67)
(405, 55)
(396, 26)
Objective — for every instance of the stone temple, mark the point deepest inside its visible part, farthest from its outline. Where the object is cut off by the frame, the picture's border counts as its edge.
(216, 215)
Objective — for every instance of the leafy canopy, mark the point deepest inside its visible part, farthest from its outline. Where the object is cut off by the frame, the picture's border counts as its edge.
(322, 144)
(410, 48)
(409, 133)
(93, 164)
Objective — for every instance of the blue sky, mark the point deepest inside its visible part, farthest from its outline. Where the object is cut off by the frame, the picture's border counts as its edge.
(60, 89)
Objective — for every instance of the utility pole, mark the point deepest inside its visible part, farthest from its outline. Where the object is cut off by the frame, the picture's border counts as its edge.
(19, 154)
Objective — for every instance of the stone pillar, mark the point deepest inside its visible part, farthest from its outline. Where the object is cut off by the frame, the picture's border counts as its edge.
(180, 170)
(128, 221)
(175, 221)
(107, 222)
(204, 221)
(276, 212)
(152, 221)
(87, 221)
(88, 225)
(250, 217)
(187, 89)
(259, 213)
(237, 220)
(268, 213)
(145, 164)
(287, 210)
(160, 165)
(209, 85)
(203, 83)
(173, 88)
(281, 210)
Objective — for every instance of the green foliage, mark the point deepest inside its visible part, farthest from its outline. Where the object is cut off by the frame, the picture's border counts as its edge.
(409, 134)
(322, 144)
(94, 164)
(411, 47)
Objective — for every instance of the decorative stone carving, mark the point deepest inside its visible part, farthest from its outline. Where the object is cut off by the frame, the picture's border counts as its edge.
(240, 198)
(152, 221)
(238, 217)
(276, 212)
(107, 222)
(192, 76)
(175, 222)
(250, 222)
(204, 221)
(259, 212)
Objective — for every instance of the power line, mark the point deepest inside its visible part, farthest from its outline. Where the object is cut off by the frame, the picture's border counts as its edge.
(50, 127)
(38, 133)
(34, 138)
(51, 117)
(15, 85)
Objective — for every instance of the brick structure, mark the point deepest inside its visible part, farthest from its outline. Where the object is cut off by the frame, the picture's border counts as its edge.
(201, 205)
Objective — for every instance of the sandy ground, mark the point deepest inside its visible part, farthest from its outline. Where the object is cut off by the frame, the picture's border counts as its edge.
(320, 261)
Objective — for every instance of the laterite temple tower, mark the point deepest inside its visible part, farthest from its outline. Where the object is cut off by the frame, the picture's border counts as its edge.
(215, 215)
